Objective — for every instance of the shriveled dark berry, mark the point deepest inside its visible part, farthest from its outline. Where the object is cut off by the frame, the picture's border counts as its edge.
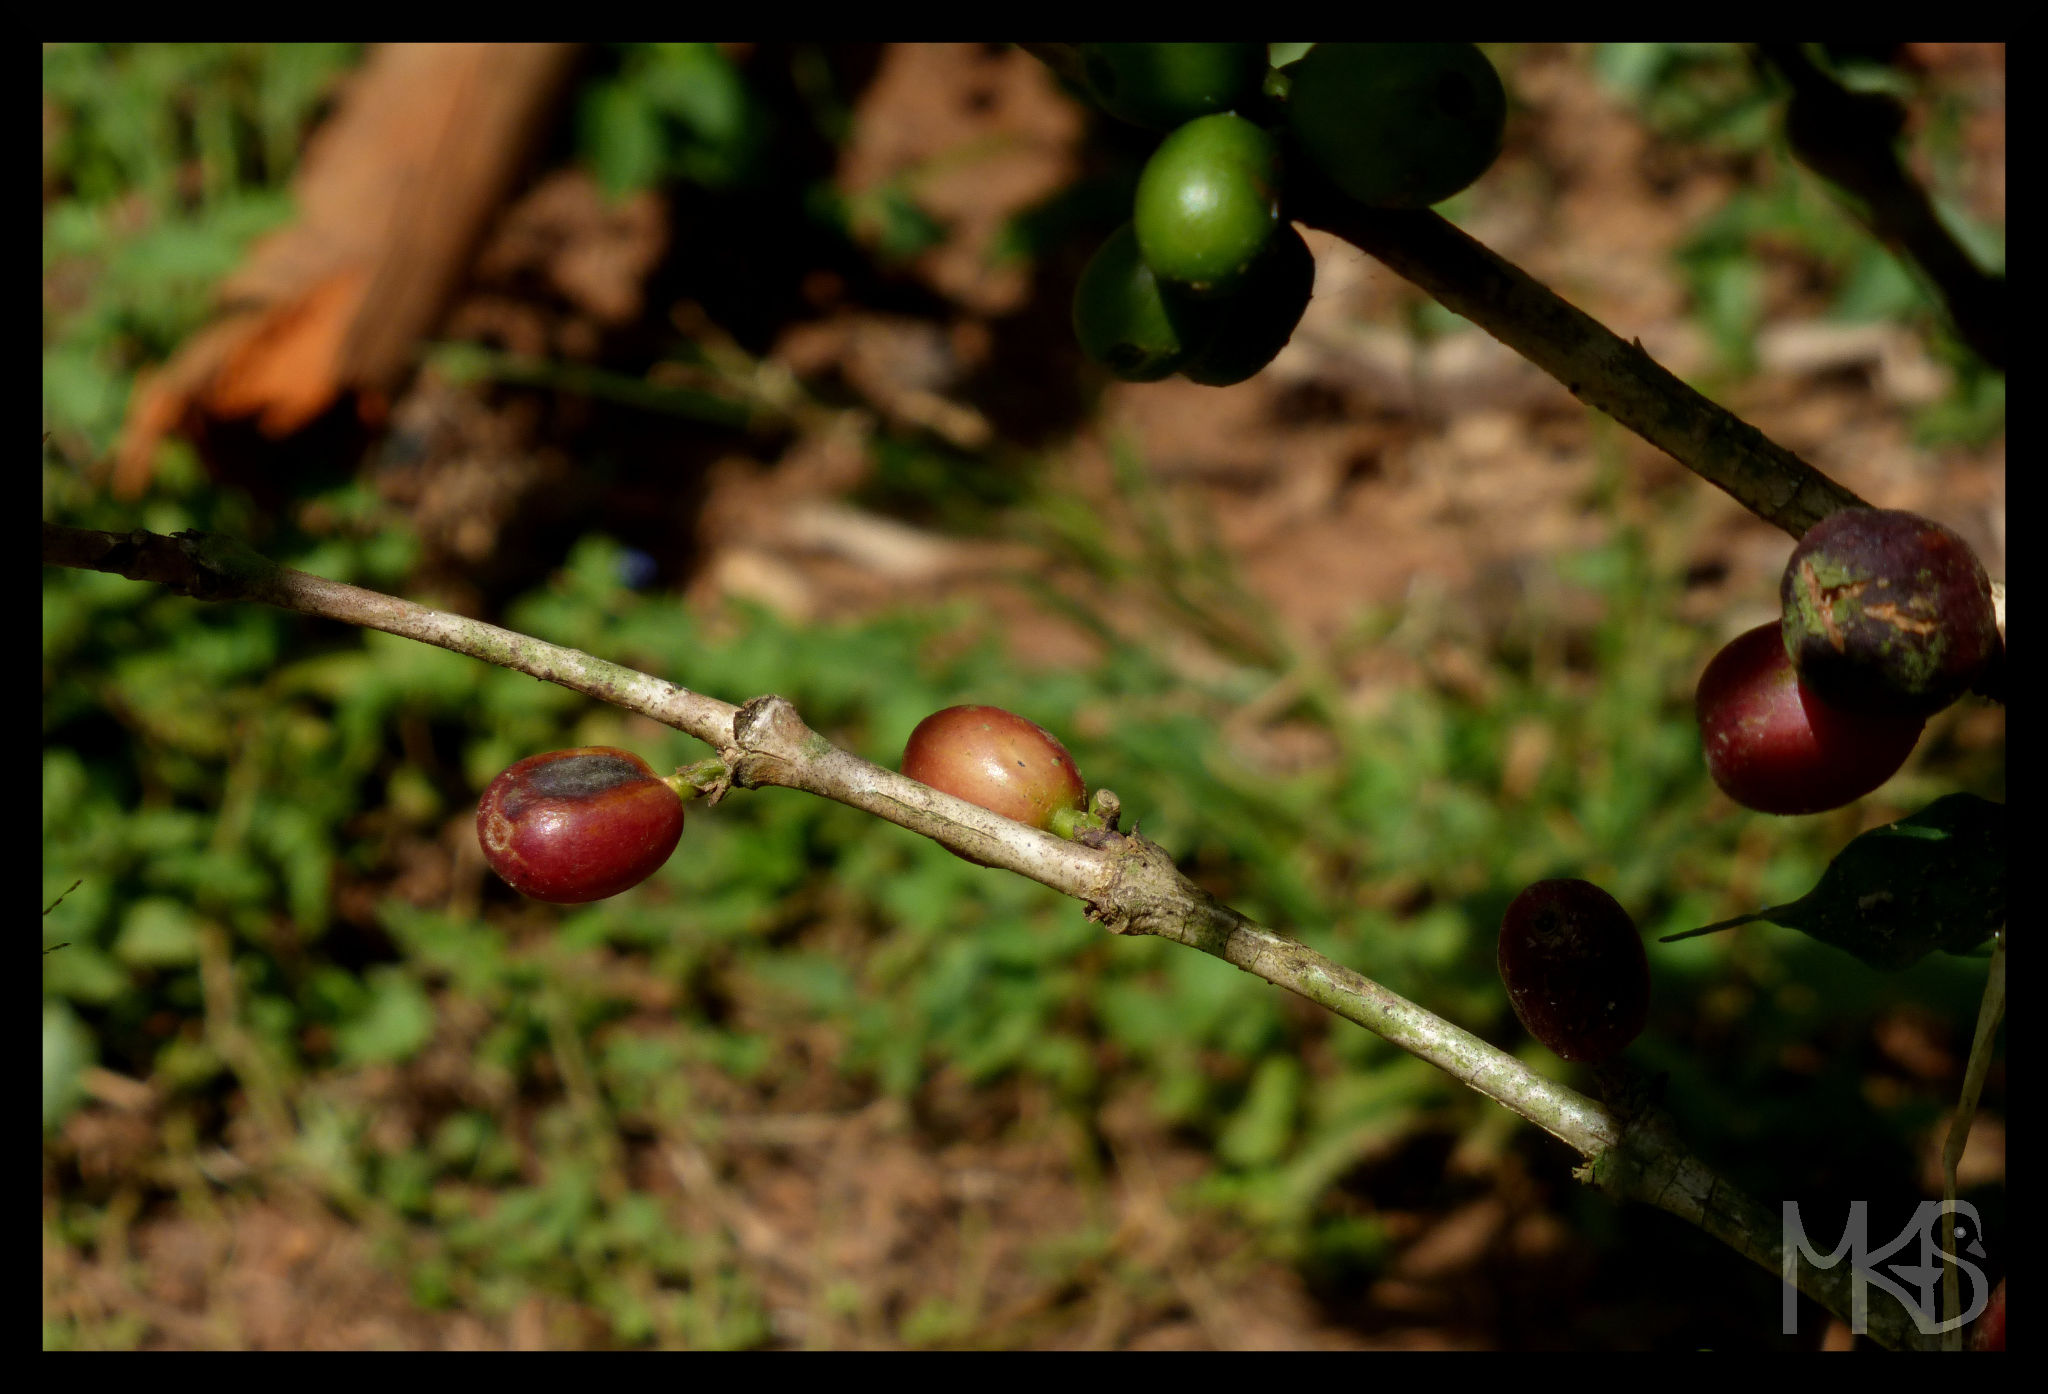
(1886, 611)
(1574, 969)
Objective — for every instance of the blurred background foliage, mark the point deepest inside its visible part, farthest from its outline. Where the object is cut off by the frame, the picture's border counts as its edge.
(1710, 97)
(252, 802)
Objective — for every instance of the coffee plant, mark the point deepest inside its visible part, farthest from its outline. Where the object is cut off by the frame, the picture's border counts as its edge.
(1886, 619)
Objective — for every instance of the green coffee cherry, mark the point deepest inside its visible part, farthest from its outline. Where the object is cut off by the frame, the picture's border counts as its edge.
(1121, 317)
(1208, 203)
(1245, 331)
(1158, 86)
(1397, 125)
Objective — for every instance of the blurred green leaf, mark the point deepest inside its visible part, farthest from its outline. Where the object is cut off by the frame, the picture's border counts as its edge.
(158, 933)
(67, 1051)
(1264, 1123)
(676, 110)
(395, 1021)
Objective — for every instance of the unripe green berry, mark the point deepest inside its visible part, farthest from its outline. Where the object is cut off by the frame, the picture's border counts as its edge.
(1121, 315)
(1397, 125)
(1161, 85)
(1208, 203)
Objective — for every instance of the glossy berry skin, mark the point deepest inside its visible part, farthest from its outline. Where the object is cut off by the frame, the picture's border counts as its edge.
(1208, 203)
(1121, 314)
(577, 825)
(1773, 746)
(1886, 611)
(1397, 125)
(1574, 969)
(996, 759)
(1241, 334)
(1159, 86)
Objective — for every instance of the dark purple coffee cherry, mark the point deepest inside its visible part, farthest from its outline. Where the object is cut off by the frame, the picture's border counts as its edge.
(1574, 969)
(1886, 611)
(1239, 335)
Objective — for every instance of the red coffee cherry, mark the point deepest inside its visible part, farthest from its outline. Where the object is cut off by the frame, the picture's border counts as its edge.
(1887, 612)
(996, 759)
(1773, 746)
(1989, 1332)
(1574, 969)
(577, 825)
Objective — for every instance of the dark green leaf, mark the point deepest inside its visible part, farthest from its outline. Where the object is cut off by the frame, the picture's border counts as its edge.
(1895, 894)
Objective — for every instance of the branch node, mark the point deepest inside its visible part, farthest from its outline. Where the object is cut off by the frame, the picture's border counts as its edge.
(767, 729)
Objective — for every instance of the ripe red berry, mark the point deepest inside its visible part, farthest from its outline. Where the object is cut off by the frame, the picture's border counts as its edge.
(1773, 746)
(1574, 969)
(1887, 611)
(996, 759)
(1989, 1332)
(578, 825)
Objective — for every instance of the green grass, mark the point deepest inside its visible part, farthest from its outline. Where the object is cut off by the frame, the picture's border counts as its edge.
(261, 811)
(221, 777)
